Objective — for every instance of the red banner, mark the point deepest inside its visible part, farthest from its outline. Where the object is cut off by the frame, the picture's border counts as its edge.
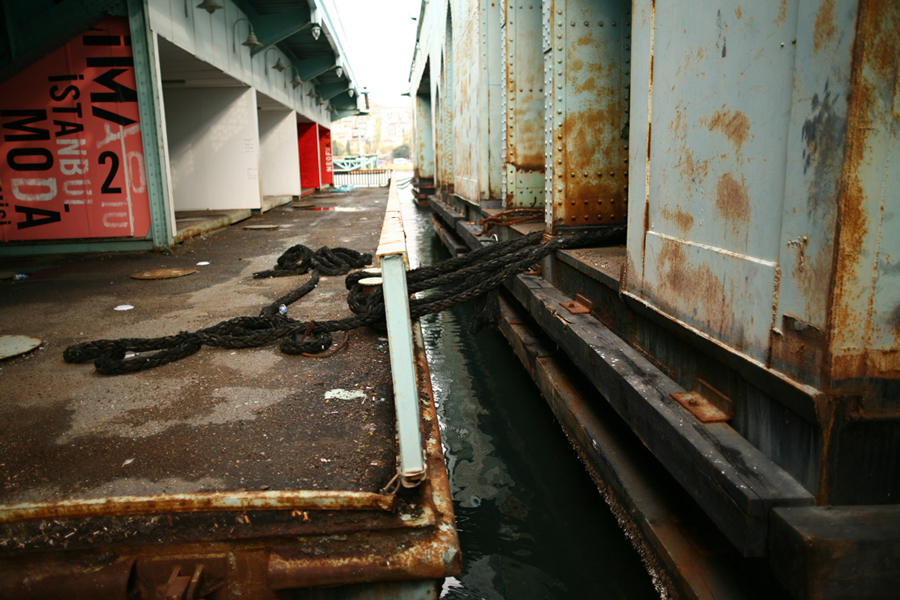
(71, 155)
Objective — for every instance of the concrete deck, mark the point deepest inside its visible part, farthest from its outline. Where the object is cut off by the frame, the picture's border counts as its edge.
(220, 420)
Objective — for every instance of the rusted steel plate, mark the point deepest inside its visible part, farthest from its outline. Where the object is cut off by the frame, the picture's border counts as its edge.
(162, 273)
(700, 407)
(434, 554)
(523, 107)
(589, 66)
(579, 306)
(199, 502)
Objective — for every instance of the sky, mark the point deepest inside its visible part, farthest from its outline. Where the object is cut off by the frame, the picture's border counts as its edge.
(380, 36)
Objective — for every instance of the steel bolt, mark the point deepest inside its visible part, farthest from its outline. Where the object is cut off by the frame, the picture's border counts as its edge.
(572, 23)
(613, 23)
(601, 23)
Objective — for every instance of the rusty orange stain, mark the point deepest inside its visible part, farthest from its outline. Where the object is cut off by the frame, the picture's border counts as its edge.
(691, 169)
(681, 219)
(732, 201)
(824, 29)
(873, 70)
(782, 13)
(738, 13)
(733, 124)
(694, 287)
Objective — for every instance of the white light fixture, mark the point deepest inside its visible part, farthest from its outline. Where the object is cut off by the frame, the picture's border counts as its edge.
(279, 65)
(339, 72)
(210, 6)
(316, 31)
(352, 92)
(296, 80)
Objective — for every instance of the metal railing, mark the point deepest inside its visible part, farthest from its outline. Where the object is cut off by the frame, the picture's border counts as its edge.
(363, 177)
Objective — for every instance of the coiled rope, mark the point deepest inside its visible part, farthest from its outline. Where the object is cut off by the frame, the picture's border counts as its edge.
(477, 274)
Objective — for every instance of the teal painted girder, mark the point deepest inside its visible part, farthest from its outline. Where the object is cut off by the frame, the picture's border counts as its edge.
(150, 106)
(35, 36)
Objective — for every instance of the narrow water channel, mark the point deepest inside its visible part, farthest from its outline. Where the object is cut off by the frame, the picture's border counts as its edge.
(532, 524)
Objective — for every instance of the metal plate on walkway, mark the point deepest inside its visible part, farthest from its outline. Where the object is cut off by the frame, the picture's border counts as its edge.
(261, 226)
(14, 345)
(162, 273)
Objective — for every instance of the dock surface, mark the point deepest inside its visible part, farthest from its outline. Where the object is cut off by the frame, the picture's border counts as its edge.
(220, 420)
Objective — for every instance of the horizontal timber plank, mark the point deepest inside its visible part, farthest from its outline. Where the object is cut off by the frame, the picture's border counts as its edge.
(445, 212)
(734, 483)
(641, 496)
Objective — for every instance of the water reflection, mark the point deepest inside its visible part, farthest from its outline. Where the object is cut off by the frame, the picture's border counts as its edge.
(532, 524)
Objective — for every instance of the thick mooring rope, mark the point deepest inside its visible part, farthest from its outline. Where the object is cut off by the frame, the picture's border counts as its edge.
(476, 274)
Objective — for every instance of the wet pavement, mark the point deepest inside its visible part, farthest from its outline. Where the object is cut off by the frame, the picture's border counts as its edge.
(219, 420)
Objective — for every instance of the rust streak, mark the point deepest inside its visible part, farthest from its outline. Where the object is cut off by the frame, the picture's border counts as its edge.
(734, 125)
(681, 219)
(732, 201)
(825, 29)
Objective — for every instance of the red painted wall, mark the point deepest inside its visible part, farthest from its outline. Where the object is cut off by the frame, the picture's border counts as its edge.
(327, 163)
(308, 141)
(71, 154)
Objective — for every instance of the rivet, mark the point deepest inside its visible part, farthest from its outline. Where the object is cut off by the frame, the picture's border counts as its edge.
(587, 24)
(600, 202)
(612, 173)
(558, 111)
(559, 23)
(585, 174)
(572, 23)
(613, 23)
(559, 87)
(559, 11)
(559, 35)
(559, 73)
(573, 175)
(559, 48)
(601, 23)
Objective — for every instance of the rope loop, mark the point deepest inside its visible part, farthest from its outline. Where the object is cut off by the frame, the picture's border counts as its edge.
(470, 276)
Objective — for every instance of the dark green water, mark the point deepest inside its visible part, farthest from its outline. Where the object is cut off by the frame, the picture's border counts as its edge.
(532, 524)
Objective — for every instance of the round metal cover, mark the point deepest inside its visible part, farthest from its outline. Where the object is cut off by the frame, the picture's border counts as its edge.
(14, 345)
(260, 226)
(163, 273)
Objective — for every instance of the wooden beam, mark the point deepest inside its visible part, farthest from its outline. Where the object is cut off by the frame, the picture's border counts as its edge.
(733, 482)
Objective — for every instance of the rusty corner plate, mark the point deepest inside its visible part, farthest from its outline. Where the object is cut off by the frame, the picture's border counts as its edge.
(579, 306)
(261, 227)
(163, 273)
(14, 345)
(700, 407)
